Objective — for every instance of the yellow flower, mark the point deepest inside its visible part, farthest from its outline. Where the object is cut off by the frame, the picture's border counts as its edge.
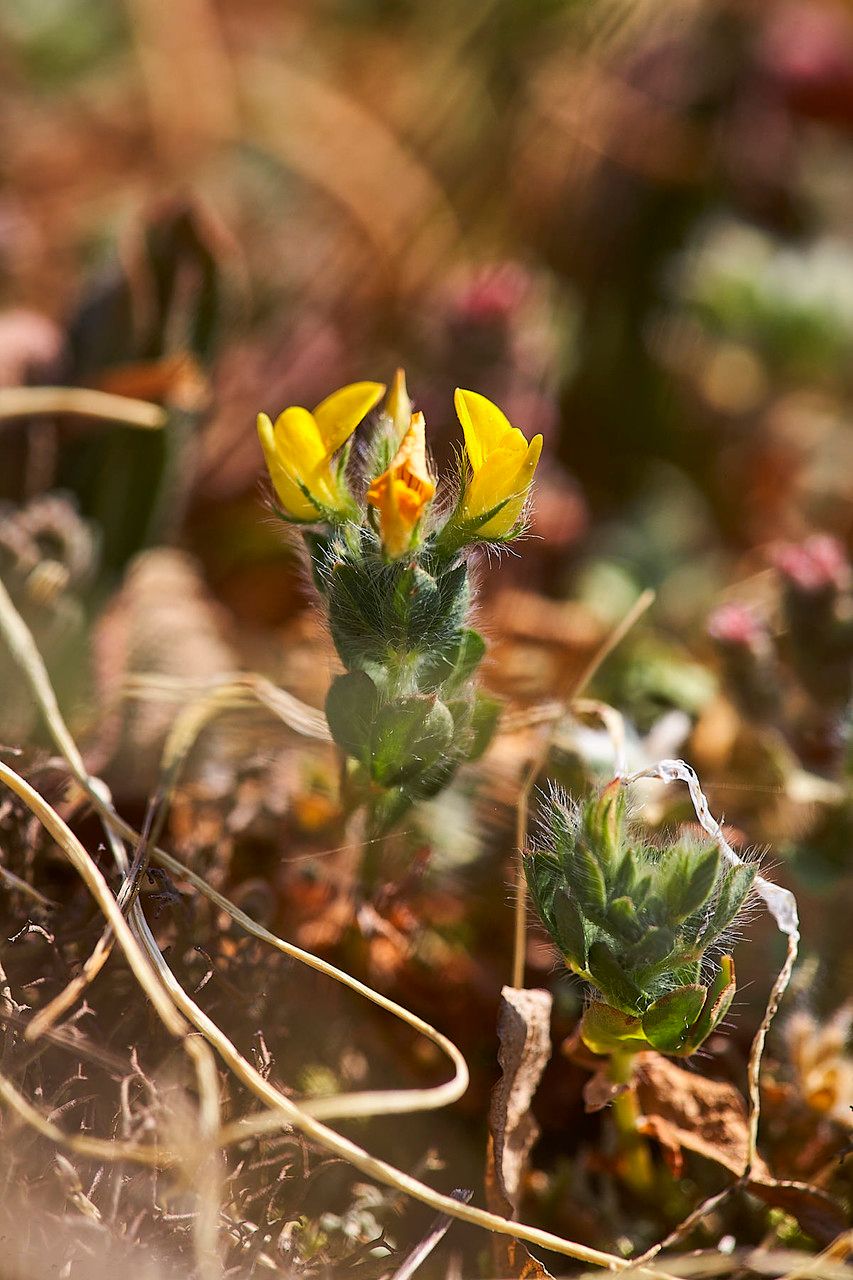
(402, 493)
(300, 447)
(502, 465)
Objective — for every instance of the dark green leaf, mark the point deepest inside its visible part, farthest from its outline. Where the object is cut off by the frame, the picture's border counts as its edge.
(454, 664)
(568, 929)
(610, 976)
(588, 882)
(716, 1006)
(655, 945)
(409, 736)
(351, 707)
(607, 1030)
(693, 891)
(622, 920)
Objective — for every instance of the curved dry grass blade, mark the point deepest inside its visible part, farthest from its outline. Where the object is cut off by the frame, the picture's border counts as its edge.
(385, 1102)
(146, 975)
(245, 689)
(31, 402)
(24, 650)
(379, 1170)
(782, 905)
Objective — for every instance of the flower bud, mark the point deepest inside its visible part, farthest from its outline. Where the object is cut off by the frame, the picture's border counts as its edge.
(637, 922)
(398, 406)
(403, 492)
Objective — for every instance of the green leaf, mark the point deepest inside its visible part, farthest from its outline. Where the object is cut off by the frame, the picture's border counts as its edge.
(355, 628)
(623, 882)
(543, 875)
(351, 707)
(623, 921)
(454, 664)
(610, 822)
(414, 604)
(716, 1006)
(655, 945)
(667, 1021)
(568, 929)
(735, 889)
(609, 975)
(692, 891)
(588, 882)
(454, 594)
(484, 722)
(735, 886)
(409, 736)
(607, 1030)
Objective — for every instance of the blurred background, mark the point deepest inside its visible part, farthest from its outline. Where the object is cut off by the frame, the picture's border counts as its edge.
(628, 222)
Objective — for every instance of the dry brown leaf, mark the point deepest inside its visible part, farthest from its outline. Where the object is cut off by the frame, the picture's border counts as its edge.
(599, 1091)
(684, 1111)
(524, 1031)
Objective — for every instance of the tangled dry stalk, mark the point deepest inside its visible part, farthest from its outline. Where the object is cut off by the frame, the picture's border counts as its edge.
(182, 1016)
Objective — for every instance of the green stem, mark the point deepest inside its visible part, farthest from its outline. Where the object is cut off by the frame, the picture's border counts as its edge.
(636, 1163)
(382, 812)
(371, 855)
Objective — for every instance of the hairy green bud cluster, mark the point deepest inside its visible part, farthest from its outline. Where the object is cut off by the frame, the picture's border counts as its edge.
(406, 712)
(641, 923)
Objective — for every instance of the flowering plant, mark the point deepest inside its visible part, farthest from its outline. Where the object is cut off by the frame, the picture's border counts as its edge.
(645, 925)
(393, 574)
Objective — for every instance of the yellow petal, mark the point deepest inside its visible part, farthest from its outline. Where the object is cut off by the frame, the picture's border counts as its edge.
(298, 443)
(293, 500)
(402, 493)
(399, 513)
(483, 424)
(531, 459)
(279, 445)
(502, 479)
(495, 481)
(322, 483)
(340, 413)
(266, 435)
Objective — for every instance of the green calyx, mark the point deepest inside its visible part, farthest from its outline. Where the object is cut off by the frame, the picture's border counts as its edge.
(637, 922)
(406, 712)
(385, 614)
